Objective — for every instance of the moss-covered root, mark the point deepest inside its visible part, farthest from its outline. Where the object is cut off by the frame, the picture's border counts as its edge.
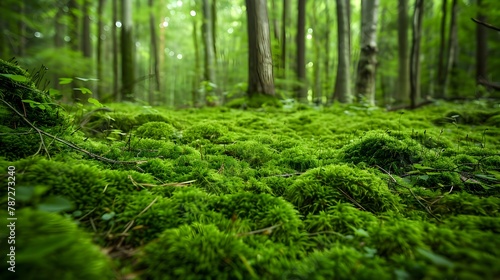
(49, 246)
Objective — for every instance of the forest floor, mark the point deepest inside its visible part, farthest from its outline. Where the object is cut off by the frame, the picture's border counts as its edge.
(348, 192)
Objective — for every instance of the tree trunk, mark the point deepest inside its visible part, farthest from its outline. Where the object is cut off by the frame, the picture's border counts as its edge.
(209, 62)
(197, 65)
(301, 90)
(114, 38)
(86, 40)
(452, 47)
(326, 63)
(285, 24)
(343, 79)
(127, 48)
(441, 57)
(415, 53)
(365, 80)
(154, 52)
(260, 61)
(481, 46)
(318, 57)
(403, 88)
(100, 32)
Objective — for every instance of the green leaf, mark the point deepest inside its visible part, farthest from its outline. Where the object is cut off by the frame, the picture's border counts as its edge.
(423, 177)
(486, 177)
(435, 258)
(65, 81)
(86, 79)
(108, 216)
(55, 204)
(95, 102)
(17, 78)
(83, 90)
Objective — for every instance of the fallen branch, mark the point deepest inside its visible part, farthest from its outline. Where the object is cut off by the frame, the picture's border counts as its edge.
(181, 184)
(418, 200)
(69, 144)
(267, 230)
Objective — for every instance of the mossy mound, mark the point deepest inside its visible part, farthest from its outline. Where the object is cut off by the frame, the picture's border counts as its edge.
(19, 91)
(48, 246)
(156, 130)
(254, 153)
(199, 252)
(393, 152)
(320, 188)
(211, 131)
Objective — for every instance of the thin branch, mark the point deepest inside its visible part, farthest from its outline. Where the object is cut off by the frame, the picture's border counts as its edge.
(131, 223)
(485, 24)
(268, 229)
(181, 184)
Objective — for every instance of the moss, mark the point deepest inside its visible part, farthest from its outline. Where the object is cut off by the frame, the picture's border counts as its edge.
(209, 131)
(262, 210)
(467, 204)
(298, 158)
(198, 252)
(320, 188)
(393, 153)
(49, 246)
(156, 130)
(251, 152)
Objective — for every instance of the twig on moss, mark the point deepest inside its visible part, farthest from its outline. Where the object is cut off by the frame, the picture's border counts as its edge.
(181, 184)
(352, 199)
(131, 223)
(286, 175)
(412, 193)
(69, 144)
(266, 230)
(326, 232)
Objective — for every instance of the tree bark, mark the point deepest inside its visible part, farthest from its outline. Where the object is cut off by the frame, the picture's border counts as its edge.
(365, 80)
(260, 61)
(197, 65)
(403, 88)
(301, 91)
(86, 40)
(127, 52)
(285, 23)
(452, 47)
(415, 53)
(343, 79)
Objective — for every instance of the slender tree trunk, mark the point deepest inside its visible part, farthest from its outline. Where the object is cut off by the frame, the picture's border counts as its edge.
(317, 88)
(21, 50)
(326, 63)
(442, 67)
(260, 61)
(100, 34)
(154, 52)
(127, 48)
(285, 24)
(114, 37)
(301, 90)
(86, 41)
(415, 53)
(214, 28)
(481, 46)
(209, 65)
(452, 47)
(197, 75)
(343, 79)
(403, 88)
(365, 80)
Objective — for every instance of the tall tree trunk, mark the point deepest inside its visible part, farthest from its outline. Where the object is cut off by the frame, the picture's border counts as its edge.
(59, 28)
(442, 66)
(326, 62)
(213, 7)
(154, 52)
(318, 57)
(285, 23)
(301, 90)
(127, 48)
(481, 46)
(415, 53)
(343, 79)
(209, 66)
(365, 80)
(403, 88)
(21, 49)
(452, 47)
(197, 75)
(100, 35)
(114, 38)
(260, 61)
(86, 40)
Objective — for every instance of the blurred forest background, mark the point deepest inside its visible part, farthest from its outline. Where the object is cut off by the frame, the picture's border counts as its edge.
(180, 54)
